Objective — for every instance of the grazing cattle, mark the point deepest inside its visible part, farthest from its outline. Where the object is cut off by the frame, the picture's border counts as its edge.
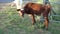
(37, 9)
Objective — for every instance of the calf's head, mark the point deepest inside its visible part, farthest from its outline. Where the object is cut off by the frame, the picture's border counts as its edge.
(21, 12)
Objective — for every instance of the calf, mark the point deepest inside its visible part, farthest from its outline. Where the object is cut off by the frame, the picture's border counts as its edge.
(37, 9)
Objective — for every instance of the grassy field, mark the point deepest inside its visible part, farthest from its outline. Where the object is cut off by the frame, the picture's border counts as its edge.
(12, 23)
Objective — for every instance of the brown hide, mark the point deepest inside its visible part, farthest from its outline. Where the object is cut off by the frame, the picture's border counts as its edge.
(37, 8)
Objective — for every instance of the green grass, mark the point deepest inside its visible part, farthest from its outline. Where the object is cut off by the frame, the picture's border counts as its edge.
(12, 23)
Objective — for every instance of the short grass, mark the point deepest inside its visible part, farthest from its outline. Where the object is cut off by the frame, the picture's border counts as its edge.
(12, 23)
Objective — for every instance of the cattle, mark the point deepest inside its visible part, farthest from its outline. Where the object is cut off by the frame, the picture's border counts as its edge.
(37, 9)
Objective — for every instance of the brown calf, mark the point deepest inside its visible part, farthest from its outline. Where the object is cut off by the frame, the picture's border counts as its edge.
(37, 9)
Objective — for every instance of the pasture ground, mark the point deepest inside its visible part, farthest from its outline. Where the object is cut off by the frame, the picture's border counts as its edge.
(12, 23)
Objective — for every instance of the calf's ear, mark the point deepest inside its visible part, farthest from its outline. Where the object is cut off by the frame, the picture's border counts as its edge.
(18, 9)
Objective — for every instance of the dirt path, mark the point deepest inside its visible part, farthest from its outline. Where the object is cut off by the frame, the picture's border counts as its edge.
(3, 6)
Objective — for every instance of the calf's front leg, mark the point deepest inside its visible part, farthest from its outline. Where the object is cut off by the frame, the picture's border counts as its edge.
(33, 19)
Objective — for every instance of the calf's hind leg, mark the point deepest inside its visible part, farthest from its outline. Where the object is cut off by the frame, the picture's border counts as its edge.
(46, 23)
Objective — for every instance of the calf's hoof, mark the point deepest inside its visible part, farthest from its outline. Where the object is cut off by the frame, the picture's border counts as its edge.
(44, 27)
(33, 23)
